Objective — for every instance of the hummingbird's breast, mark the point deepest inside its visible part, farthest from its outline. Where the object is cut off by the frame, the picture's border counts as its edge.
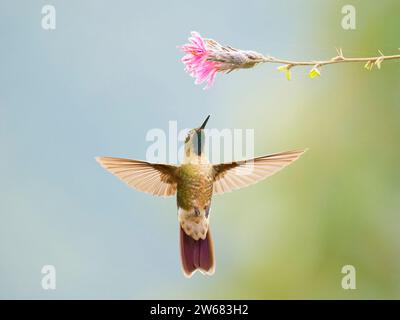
(195, 186)
(194, 192)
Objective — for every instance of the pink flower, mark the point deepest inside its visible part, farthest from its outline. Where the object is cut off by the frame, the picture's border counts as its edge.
(205, 57)
(196, 61)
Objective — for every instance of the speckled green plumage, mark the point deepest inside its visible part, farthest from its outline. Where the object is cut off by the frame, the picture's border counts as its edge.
(195, 185)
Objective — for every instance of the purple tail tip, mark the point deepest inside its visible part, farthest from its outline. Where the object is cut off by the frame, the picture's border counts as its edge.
(197, 254)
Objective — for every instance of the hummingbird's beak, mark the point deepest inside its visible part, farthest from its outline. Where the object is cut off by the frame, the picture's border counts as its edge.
(204, 123)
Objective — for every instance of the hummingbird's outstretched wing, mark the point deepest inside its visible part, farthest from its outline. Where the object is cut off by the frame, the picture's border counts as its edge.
(154, 178)
(236, 175)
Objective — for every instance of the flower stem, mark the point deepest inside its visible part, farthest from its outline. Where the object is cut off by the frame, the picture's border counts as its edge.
(338, 59)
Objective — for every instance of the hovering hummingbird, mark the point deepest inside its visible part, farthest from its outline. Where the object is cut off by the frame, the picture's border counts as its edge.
(194, 182)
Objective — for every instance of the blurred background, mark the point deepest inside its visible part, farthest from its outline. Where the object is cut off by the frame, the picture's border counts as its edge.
(110, 72)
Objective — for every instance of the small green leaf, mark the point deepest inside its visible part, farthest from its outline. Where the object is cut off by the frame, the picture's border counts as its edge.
(286, 70)
(288, 75)
(314, 72)
(369, 65)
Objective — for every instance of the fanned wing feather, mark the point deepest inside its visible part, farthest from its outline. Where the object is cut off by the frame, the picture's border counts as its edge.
(157, 179)
(236, 175)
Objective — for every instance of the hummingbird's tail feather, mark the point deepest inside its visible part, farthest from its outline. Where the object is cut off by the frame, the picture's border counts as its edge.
(197, 254)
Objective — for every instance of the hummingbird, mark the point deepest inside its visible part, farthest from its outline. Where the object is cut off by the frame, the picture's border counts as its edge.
(194, 182)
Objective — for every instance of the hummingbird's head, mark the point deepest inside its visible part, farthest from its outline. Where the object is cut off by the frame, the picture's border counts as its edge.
(194, 142)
